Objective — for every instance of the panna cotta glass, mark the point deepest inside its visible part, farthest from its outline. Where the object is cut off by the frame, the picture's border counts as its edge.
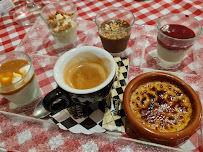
(114, 28)
(176, 36)
(18, 82)
(61, 19)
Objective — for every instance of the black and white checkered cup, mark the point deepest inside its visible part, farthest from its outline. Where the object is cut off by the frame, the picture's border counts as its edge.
(64, 96)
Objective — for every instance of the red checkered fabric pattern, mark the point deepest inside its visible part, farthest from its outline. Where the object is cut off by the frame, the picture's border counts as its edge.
(146, 12)
(27, 134)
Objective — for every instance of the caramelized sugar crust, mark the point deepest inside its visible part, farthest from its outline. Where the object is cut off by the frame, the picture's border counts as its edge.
(161, 106)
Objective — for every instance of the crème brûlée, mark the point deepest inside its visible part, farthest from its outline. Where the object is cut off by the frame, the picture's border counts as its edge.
(161, 106)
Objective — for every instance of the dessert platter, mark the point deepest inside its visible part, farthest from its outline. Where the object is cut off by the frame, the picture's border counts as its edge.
(140, 58)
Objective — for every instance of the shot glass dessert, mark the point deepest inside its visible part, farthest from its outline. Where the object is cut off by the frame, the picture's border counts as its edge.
(114, 27)
(18, 82)
(61, 19)
(176, 35)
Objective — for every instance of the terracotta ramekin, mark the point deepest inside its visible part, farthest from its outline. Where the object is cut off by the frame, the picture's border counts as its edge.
(153, 135)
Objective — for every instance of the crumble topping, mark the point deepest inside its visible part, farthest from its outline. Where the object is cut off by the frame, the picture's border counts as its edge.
(115, 26)
(114, 29)
(63, 21)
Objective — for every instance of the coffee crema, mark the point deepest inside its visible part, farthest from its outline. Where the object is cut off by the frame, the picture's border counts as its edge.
(86, 71)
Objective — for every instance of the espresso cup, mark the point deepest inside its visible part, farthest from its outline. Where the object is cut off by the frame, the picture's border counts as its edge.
(84, 75)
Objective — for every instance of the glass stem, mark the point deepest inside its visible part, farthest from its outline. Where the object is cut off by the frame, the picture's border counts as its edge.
(30, 3)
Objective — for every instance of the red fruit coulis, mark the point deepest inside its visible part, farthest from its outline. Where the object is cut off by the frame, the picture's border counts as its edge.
(179, 32)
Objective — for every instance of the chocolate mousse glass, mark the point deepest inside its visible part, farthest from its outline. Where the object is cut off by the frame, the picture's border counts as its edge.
(114, 27)
(61, 19)
(18, 82)
(177, 34)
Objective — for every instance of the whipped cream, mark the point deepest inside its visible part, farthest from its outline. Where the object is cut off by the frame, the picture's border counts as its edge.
(24, 69)
(16, 77)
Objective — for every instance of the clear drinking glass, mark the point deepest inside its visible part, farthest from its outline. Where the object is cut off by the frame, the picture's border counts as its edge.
(61, 19)
(27, 13)
(177, 34)
(114, 27)
(23, 90)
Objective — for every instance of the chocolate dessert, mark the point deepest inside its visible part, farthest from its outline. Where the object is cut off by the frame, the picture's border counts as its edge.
(115, 35)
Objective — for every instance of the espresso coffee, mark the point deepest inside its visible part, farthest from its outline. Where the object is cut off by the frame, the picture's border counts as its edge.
(86, 71)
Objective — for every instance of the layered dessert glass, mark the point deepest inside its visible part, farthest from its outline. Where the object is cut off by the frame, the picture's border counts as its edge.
(114, 27)
(61, 19)
(176, 36)
(18, 82)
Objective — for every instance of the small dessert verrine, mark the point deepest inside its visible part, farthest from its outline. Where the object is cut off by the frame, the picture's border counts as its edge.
(176, 35)
(63, 28)
(113, 35)
(18, 82)
(115, 30)
(60, 18)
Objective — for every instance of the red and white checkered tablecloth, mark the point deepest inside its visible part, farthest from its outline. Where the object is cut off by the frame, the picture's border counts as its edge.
(18, 133)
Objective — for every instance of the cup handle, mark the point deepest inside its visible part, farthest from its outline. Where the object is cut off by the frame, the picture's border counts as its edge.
(56, 100)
